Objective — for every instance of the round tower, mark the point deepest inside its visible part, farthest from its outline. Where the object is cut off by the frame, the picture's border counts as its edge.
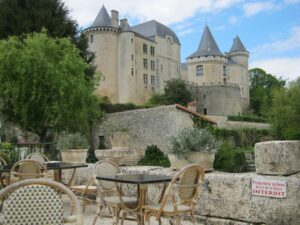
(206, 65)
(238, 53)
(103, 37)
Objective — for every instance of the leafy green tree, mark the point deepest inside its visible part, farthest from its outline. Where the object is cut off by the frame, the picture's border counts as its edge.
(285, 112)
(43, 85)
(176, 92)
(19, 17)
(261, 86)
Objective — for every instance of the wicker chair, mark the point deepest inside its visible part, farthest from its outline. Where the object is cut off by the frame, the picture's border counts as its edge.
(108, 191)
(180, 196)
(39, 202)
(3, 176)
(27, 169)
(86, 189)
(38, 157)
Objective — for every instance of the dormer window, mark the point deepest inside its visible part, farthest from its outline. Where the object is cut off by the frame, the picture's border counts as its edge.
(199, 70)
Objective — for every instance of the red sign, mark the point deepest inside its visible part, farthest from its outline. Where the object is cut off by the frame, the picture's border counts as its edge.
(269, 188)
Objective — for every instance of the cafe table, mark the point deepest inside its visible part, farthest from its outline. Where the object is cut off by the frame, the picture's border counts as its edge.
(57, 166)
(141, 180)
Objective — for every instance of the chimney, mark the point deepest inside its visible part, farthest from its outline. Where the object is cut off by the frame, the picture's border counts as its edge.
(123, 23)
(115, 18)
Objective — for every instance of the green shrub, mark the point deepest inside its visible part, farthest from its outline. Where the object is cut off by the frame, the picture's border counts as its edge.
(198, 140)
(154, 157)
(112, 108)
(230, 159)
(246, 137)
(72, 141)
(248, 118)
(8, 153)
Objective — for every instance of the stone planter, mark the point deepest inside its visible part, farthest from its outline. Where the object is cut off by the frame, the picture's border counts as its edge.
(119, 139)
(205, 159)
(177, 163)
(74, 155)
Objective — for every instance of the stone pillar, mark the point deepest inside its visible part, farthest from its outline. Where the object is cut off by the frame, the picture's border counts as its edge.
(277, 157)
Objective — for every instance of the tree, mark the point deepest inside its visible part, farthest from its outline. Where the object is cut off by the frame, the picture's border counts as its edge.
(285, 112)
(43, 85)
(175, 92)
(261, 86)
(19, 17)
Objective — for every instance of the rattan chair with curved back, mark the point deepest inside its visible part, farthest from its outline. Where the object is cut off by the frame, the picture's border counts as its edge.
(180, 196)
(108, 191)
(39, 202)
(3, 176)
(27, 169)
(38, 157)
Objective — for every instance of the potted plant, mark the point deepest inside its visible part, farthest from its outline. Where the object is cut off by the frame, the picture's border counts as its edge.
(73, 147)
(192, 146)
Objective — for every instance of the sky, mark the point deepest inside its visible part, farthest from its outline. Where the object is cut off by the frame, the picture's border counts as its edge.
(269, 29)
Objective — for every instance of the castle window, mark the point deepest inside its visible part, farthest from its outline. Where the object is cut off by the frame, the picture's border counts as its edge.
(153, 80)
(152, 50)
(145, 78)
(152, 65)
(132, 71)
(91, 38)
(224, 80)
(169, 46)
(204, 96)
(145, 61)
(145, 48)
(131, 40)
(205, 111)
(132, 56)
(224, 70)
(199, 70)
(161, 66)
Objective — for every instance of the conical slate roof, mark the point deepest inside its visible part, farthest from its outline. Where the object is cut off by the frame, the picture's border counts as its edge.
(207, 46)
(237, 45)
(102, 19)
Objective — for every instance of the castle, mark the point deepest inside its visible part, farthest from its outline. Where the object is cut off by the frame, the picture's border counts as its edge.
(136, 61)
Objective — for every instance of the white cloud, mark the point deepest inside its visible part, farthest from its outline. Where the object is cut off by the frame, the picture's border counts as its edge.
(165, 11)
(253, 8)
(233, 20)
(287, 68)
(290, 43)
(185, 32)
(292, 1)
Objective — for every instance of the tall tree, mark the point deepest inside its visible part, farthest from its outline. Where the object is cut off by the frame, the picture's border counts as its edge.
(43, 85)
(261, 86)
(285, 112)
(18, 17)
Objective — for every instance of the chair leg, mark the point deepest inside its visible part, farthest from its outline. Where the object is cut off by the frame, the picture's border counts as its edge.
(177, 221)
(146, 218)
(123, 216)
(99, 213)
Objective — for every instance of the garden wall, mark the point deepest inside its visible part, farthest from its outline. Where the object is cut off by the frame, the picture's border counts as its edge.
(145, 126)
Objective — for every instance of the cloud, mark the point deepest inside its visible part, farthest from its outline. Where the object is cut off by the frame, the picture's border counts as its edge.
(165, 11)
(185, 32)
(290, 43)
(253, 8)
(292, 1)
(287, 68)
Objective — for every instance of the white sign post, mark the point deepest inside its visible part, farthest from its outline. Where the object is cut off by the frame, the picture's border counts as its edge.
(268, 188)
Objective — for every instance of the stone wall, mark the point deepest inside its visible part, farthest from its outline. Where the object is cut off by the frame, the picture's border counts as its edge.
(146, 127)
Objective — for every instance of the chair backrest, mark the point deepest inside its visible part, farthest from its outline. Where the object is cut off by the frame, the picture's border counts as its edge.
(38, 157)
(39, 202)
(28, 169)
(2, 162)
(105, 168)
(185, 184)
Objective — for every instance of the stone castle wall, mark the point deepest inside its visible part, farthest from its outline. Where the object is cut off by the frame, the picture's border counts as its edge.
(146, 126)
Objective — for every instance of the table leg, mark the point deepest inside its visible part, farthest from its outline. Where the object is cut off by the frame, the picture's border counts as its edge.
(142, 199)
(58, 177)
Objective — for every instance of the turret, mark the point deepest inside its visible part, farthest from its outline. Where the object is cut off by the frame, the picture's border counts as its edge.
(238, 53)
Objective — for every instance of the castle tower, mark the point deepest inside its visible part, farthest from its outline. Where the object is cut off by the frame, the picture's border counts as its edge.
(103, 37)
(206, 64)
(238, 63)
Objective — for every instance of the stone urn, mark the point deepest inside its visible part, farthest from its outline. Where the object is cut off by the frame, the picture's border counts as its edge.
(74, 155)
(204, 159)
(119, 139)
(177, 163)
